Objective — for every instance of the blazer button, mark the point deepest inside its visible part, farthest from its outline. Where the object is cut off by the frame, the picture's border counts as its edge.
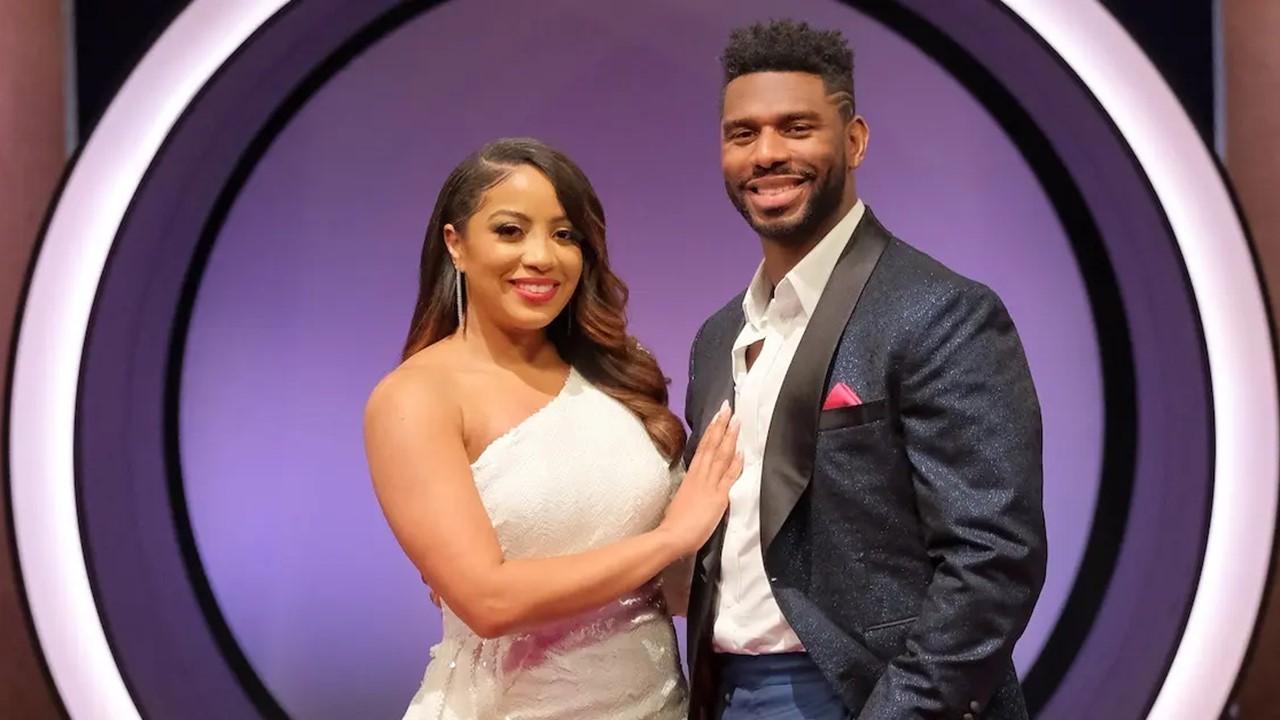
(968, 716)
(974, 706)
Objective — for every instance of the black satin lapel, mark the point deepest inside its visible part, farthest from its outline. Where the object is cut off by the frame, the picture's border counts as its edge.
(793, 431)
(717, 375)
(709, 557)
(705, 591)
(716, 380)
(719, 385)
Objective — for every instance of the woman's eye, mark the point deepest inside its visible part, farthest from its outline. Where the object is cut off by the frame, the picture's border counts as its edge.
(508, 230)
(566, 235)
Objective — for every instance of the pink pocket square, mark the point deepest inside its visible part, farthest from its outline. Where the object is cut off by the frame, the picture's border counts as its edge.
(841, 396)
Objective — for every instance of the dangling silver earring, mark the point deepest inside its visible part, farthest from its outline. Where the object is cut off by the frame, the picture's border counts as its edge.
(457, 284)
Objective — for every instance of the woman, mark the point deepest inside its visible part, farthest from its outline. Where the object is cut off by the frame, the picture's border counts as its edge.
(523, 455)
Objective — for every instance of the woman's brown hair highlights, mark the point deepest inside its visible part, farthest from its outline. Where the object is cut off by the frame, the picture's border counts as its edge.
(591, 332)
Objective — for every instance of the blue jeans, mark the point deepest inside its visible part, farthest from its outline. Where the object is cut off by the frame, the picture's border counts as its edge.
(776, 687)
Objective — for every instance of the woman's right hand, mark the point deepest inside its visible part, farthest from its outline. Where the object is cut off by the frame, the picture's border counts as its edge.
(701, 500)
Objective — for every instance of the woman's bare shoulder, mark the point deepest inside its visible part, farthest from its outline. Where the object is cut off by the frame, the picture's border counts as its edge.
(423, 388)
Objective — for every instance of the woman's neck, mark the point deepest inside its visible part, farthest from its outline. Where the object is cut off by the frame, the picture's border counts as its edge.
(505, 348)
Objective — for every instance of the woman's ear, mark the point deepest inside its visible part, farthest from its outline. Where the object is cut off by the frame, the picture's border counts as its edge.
(453, 241)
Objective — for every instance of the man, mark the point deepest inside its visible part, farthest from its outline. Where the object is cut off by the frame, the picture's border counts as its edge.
(885, 544)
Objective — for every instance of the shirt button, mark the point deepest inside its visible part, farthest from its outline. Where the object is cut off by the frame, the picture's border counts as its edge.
(974, 706)
(968, 716)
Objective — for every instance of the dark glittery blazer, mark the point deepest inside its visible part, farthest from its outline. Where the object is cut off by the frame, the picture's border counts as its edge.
(903, 537)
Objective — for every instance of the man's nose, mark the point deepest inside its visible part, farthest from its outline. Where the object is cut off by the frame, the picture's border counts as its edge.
(770, 150)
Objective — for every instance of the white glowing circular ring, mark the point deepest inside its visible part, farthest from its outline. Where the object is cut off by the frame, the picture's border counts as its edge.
(54, 322)
(112, 164)
(1237, 337)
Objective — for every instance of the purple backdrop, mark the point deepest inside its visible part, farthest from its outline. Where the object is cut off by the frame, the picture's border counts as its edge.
(310, 285)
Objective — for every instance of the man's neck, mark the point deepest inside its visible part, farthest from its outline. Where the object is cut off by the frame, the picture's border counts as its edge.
(781, 256)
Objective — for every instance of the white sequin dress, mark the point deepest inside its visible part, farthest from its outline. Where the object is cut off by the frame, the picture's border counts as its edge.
(579, 474)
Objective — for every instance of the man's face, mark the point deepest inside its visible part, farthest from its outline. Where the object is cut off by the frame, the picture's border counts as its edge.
(786, 153)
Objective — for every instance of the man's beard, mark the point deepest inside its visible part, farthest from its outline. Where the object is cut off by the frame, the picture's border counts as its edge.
(818, 207)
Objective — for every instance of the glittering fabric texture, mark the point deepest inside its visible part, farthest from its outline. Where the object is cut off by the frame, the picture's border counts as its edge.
(913, 559)
(579, 474)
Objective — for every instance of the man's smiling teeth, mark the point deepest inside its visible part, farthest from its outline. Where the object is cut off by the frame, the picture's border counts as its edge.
(775, 187)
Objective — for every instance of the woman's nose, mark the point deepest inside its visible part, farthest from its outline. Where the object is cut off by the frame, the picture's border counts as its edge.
(537, 252)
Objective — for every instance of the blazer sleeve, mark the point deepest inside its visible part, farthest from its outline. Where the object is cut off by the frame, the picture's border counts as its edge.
(972, 431)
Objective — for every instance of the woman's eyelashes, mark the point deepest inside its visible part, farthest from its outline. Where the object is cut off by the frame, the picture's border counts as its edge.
(567, 235)
(511, 231)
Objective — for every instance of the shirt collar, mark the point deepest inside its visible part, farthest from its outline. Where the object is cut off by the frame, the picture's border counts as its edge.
(807, 280)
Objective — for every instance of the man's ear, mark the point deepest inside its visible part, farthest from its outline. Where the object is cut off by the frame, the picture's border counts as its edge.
(857, 135)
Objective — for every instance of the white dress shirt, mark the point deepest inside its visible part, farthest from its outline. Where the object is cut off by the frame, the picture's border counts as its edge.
(748, 621)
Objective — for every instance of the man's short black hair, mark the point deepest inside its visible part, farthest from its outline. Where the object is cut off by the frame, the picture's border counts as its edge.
(791, 46)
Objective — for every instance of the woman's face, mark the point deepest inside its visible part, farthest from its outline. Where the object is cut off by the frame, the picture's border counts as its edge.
(520, 255)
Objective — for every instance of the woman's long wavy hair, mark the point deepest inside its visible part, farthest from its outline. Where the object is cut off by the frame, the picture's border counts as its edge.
(591, 332)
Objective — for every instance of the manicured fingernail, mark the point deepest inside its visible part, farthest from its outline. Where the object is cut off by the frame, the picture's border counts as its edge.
(724, 408)
(733, 423)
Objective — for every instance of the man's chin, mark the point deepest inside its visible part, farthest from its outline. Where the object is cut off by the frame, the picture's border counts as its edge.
(782, 229)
